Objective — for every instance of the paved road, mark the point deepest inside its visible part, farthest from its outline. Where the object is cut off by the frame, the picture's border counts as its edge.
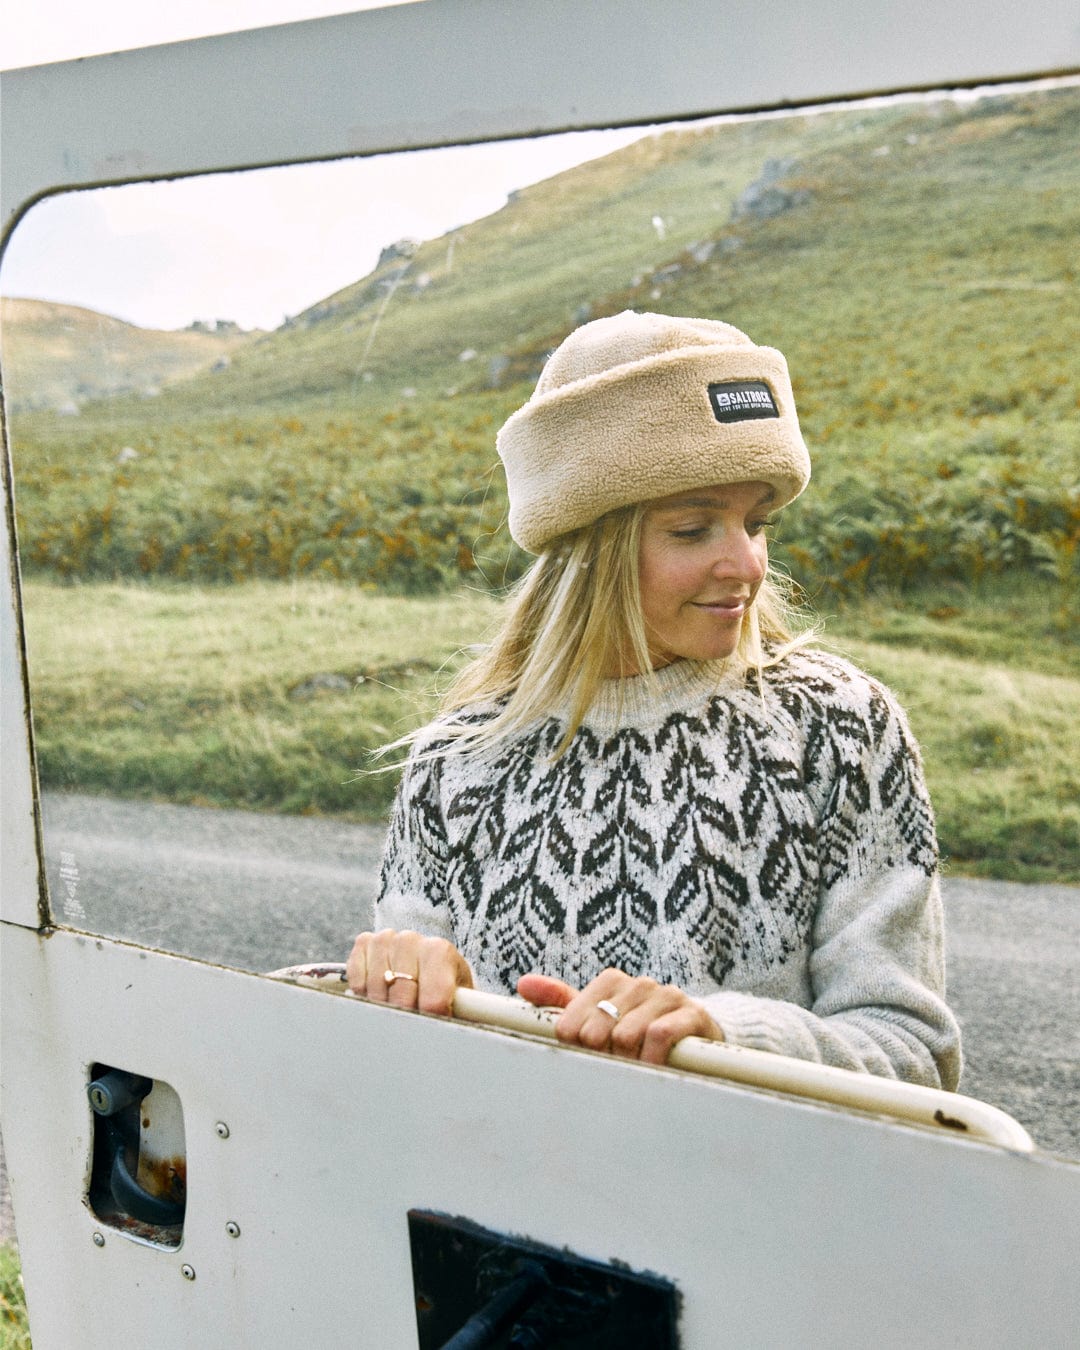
(259, 892)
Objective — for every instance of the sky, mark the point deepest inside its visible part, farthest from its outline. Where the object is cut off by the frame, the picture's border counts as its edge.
(252, 247)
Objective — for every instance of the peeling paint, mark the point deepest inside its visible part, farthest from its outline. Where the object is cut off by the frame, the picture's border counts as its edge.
(950, 1122)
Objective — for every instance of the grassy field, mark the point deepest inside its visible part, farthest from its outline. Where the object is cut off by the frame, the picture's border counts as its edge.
(198, 695)
(272, 696)
(14, 1332)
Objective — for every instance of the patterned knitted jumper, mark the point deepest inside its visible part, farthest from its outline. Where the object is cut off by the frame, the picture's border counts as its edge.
(770, 850)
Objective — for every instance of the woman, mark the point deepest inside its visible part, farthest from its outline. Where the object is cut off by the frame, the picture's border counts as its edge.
(648, 803)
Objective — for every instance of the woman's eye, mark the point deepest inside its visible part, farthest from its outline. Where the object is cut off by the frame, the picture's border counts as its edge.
(690, 533)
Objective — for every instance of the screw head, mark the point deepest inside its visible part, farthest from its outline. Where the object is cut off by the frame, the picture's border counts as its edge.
(222, 1130)
(233, 1229)
(99, 1239)
(188, 1272)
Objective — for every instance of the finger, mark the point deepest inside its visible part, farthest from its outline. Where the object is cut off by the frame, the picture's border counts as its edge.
(666, 1031)
(629, 1033)
(442, 970)
(401, 975)
(590, 1018)
(356, 965)
(363, 965)
(545, 991)
(367, 965)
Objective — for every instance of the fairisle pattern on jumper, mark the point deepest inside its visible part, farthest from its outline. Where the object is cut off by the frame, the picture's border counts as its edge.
(769, 850)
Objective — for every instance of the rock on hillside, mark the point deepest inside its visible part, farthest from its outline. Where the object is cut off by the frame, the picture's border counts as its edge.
(768, 195)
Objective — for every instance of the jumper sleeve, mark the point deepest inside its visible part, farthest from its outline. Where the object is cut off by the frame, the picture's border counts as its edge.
(412, 884)
(876, 968)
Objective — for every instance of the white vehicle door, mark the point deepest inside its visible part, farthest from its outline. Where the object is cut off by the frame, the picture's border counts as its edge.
(312, 1166)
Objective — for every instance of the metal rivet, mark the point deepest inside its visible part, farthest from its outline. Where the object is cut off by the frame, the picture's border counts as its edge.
(99, 1239)
(188, 1272)
(233, 1229)
(222, 1130)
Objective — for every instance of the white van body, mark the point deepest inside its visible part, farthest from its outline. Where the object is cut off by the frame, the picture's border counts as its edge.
(310, 1126)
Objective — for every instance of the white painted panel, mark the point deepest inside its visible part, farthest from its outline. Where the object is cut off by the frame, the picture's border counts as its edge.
(18, 831)
(782, 1223)
(461, 70)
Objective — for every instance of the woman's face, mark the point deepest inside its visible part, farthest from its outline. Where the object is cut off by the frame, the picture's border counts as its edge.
(702, 558)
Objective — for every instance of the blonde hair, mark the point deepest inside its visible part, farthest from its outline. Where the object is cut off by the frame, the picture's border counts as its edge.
(572, 619)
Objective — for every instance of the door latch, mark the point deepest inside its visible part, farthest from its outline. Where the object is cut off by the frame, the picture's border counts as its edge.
(138, 1178)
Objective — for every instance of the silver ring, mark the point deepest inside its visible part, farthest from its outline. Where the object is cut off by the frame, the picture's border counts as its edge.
(392, 975)
(606, 1006)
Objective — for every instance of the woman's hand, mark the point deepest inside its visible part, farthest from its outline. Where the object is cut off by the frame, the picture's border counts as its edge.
(628, 1015)
(407, 970)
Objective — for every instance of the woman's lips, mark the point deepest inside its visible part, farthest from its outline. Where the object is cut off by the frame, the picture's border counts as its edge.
(727, 608)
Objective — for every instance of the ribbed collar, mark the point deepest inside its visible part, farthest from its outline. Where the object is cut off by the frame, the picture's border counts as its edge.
(645, 700)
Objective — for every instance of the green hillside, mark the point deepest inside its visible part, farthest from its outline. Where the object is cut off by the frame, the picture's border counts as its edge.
(898, 215)
(61, 356)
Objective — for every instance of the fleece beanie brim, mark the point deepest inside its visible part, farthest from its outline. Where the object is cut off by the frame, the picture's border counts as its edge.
(698, 404)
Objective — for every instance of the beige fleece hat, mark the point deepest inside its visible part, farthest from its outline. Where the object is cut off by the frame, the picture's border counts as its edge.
(639, 406)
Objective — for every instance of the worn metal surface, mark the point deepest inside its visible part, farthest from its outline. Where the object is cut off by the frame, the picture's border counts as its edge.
(20, 867)
(784, 1223)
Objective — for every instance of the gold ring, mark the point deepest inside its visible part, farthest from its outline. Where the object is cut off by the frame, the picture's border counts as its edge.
(606, 1006)
(392, 975)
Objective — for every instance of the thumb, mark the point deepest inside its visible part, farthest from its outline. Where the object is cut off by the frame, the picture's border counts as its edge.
(545, 991)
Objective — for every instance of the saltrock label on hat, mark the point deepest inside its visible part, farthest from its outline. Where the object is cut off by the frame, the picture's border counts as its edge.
(741, 400)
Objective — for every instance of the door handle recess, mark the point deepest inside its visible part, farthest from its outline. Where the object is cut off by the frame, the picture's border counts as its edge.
(116, 1098)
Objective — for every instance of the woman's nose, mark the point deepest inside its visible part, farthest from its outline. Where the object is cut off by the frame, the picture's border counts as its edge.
(742, 558)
